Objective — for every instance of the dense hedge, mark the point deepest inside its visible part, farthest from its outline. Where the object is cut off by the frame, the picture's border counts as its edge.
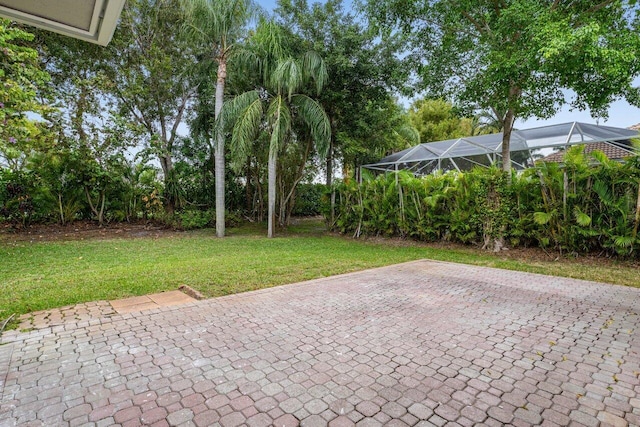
(588, 204)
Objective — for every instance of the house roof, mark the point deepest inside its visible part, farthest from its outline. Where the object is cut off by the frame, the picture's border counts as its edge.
(90, 20)
(612, 151)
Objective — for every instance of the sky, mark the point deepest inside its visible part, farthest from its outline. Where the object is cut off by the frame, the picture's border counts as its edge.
(621, 114)
(270, 4)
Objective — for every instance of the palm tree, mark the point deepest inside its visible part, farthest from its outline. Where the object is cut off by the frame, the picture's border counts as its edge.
(491, 121)
(218, 24)
(277, 104)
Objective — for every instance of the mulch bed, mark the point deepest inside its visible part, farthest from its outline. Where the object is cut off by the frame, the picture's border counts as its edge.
(84, 230)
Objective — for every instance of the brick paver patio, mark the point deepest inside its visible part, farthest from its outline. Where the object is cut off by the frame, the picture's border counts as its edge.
(422, 343)
(94, 311)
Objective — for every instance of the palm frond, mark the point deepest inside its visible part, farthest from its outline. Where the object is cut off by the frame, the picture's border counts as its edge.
(408, 133)
(268, 45)
(246, 59)
(217, 21)
(243, 115)
(314, 66)
(603, 192)
(288, 77)
(542, 218)
(232, 109)
(245, 129)
(623, 241)
(601, 158)
(581, 218)
(280, 121)
(312, 113)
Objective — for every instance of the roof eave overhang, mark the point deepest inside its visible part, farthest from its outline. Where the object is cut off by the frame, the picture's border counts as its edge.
(99, 30)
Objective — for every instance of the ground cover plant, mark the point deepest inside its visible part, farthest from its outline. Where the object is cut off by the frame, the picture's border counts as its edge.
(36, 275)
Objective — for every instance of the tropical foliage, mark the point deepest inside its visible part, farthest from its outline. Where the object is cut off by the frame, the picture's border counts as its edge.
(515, 57)
(575, 207)
(138, 131)
(277, 104)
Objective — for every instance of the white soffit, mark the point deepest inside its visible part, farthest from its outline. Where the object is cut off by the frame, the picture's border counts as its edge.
(90, 20)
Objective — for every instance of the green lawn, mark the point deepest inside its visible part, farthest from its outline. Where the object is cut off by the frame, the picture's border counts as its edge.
(41, 275)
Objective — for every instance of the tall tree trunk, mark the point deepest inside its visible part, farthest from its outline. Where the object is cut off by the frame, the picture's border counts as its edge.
(515, 92)
(329, 180)
(506, 141)
(272, 192)
(219, 150)
(167, 170)
(330, 151)
(333, 207)
(509, 118)
(329, 176)
(280, 184)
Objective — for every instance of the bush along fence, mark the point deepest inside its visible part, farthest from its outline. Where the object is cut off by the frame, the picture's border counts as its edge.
(587, 204)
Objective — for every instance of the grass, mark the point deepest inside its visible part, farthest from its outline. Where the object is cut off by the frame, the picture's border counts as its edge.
(42, 275)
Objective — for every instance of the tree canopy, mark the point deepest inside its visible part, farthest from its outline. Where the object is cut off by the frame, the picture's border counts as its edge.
(436, 120)
(517, 56)
(22, 81)
(149, 67)
(363, 72)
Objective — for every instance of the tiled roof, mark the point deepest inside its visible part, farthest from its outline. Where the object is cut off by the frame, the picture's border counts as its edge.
(611, 151)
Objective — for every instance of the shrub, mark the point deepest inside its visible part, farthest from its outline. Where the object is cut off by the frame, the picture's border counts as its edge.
(576, 207)
(16, 198)
(192, 219)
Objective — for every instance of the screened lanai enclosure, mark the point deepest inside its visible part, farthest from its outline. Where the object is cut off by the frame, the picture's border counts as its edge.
(527, 146)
